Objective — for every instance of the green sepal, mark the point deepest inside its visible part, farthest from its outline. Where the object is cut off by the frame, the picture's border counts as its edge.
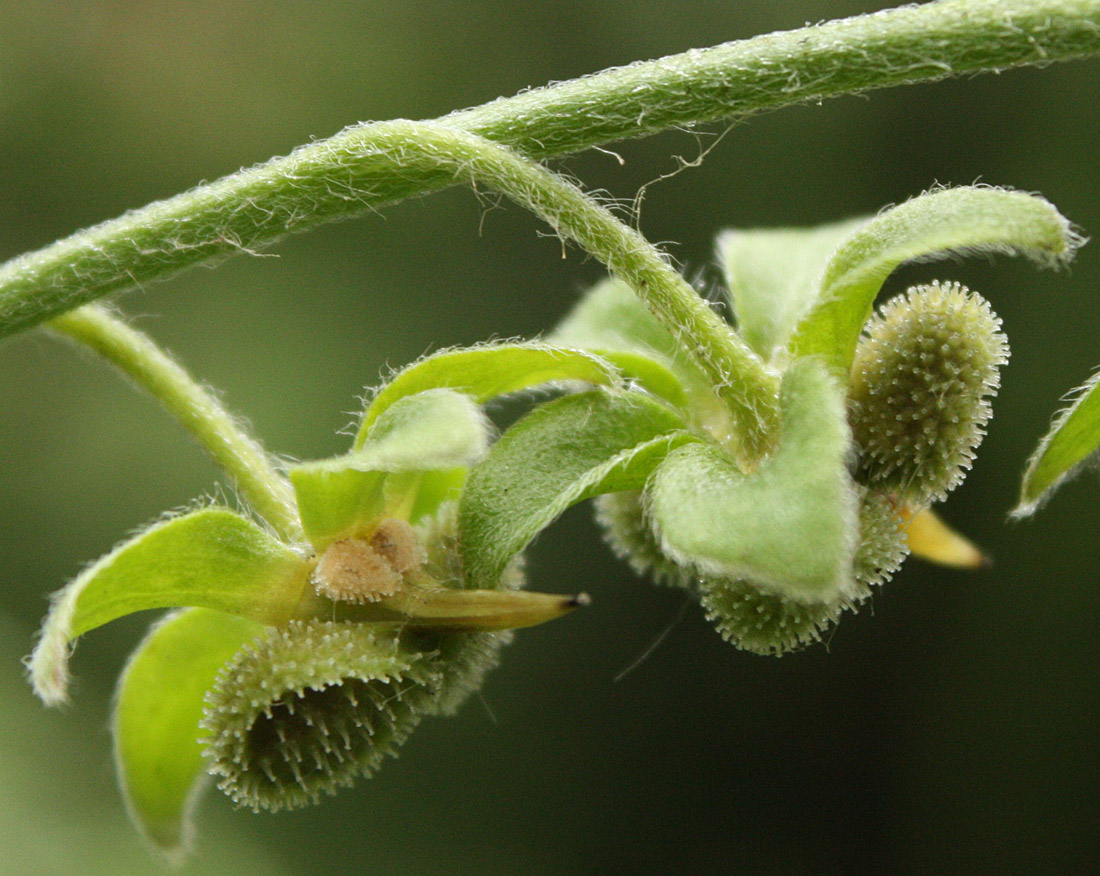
(960, 220)
(791, 526)
(774, 278)
(1073, 439)
(562, 452)
(157, 709)
(488, 371)
(413, 459)
(210, 558)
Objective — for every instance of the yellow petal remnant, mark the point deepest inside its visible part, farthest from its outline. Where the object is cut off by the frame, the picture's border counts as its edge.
(933, 540)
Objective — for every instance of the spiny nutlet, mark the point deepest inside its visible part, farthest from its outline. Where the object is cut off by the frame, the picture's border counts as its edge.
(626, 531)
(883, 545)
(749, 617)
(920, 387)
(365, 570)
(763, 622)
(303, 710)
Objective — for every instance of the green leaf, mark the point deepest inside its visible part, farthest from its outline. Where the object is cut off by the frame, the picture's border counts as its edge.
(438, 428)
(649, 374)
(791, 525)
(562, 452)
(774, 278)
(158, 706)
(1073, 438)
(611, 318)
(488, 371)
(962, 220)
(210, 558)
(420, 445)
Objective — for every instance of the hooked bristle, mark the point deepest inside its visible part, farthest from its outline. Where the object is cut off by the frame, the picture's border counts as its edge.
(627, 532)
(920, 387)
(883, 545)
(304, 710)
(764, 622)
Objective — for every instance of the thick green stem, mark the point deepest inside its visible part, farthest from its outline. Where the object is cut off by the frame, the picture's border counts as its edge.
(231, 447)
(342, 176)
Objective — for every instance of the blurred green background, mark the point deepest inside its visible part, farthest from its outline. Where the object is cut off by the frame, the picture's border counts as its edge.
(950, 727)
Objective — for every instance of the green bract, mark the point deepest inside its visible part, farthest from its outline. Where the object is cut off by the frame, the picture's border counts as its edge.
(265, 669)
(1069, 446)
(777, 542)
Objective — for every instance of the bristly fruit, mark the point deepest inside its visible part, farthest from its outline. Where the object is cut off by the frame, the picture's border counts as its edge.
(628, 534)
(920, 388)
(764, 622)
(747, 616)
(305, 710)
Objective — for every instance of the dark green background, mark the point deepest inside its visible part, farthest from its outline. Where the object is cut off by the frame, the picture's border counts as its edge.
(950, 727)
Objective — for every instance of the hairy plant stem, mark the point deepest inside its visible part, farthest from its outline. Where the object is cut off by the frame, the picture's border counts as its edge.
(344, 175)
(749, 389)
(232, 448)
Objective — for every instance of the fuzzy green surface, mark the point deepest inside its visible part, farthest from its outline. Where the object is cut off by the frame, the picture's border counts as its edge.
(789, 526)
(612, 320)
(209, 558)
(963, 220)
(421, 443)
(488, 371)
(611, 317)
(763, 622)
(627, 532)
(1068, 447)
(561, 453)
(461, 659)
(359, 169)
(883, 546)
(920, 388)
(158, 706)
(305, 710)
(767, 623)
(773, 276)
